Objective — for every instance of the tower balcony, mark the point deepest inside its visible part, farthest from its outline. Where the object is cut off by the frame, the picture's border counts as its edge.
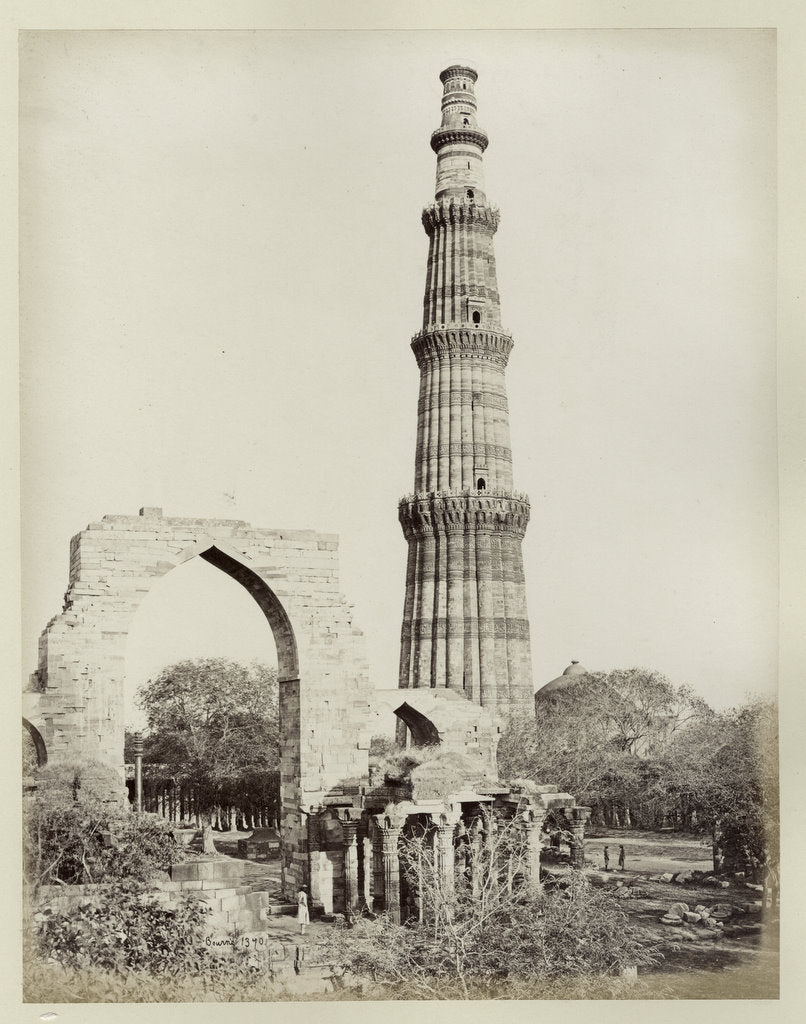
(435, 342)
(469, 510)
(456, 135)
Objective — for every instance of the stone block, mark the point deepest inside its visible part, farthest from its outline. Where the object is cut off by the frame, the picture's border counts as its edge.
(185, 872)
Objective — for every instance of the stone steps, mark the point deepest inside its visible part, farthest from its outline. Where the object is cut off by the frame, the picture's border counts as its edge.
(235, 899)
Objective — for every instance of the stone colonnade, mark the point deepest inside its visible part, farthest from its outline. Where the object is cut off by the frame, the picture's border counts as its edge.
(366, 850)
(179, 804)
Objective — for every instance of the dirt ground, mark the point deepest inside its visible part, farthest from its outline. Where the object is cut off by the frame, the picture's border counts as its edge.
(741, 963)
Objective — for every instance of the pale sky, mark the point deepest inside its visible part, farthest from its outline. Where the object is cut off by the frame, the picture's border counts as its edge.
(223, 265)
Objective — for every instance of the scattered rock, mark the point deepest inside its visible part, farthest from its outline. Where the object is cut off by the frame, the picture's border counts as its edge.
(700, 909)
(671, 920)
(683, 877)
(710, 880)
(678, 909)
(723, 885)
(667, 876)
(754, 887)
(686, 936)
(692, 918)
(721, 911)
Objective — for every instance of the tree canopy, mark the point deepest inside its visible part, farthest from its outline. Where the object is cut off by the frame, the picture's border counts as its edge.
(630, 741)
(213, 725)
(726, 771)
(597, 734)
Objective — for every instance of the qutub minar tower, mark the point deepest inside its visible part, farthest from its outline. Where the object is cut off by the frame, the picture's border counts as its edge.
(465, 625)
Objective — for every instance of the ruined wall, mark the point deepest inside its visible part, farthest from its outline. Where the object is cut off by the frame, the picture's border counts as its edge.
(292, 575)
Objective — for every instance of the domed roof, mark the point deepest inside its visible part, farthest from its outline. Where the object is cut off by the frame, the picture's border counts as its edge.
(566, 679)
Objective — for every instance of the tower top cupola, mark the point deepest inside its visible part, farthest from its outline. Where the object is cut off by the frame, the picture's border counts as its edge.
(459, 142)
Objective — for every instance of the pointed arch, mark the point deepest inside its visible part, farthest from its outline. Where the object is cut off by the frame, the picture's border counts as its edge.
(39, 743)
(423, 731)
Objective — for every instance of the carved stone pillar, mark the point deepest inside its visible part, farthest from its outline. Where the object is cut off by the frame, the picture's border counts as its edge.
(376, 836)
(444, 852)
(531, 824)
(391, 871)
(577, 816)
(349, 828)
(364, 864)
(137, 745)
(475, 851)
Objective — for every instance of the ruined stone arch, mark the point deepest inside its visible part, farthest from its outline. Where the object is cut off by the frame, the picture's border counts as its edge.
(293, 577)
(422, 730)
(232, 564)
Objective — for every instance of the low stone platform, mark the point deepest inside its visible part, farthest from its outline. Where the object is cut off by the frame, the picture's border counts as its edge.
(263, 844)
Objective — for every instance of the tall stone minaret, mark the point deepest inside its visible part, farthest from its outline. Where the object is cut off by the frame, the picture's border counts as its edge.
(465, 625)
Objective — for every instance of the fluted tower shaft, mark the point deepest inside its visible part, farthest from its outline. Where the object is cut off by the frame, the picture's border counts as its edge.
(465, 624)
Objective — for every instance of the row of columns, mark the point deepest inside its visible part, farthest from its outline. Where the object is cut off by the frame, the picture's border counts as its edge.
(384, 871)
(462, 425)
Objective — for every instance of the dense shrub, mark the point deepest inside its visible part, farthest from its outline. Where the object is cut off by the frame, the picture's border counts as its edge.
(491, 933)
(124, 944)
(120, 926)
(72, 835)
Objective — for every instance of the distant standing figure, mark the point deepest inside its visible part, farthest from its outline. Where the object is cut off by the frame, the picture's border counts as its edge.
(606, 859)
(621, 858)
(302, 910)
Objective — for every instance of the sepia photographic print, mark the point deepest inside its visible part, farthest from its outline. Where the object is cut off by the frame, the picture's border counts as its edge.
(400, 515)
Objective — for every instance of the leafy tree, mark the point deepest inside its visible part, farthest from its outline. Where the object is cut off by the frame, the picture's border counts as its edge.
(725, 769)
(600, 736)
(213, 724)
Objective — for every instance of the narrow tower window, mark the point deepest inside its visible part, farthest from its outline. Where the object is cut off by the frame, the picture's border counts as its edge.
(481, 484)
(476, 317)
(470, 192)
(465, 121)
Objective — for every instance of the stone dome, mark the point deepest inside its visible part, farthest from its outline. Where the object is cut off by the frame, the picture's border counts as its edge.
(566, 679)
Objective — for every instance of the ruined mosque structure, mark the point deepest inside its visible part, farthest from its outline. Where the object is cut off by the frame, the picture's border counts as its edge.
(465, 658)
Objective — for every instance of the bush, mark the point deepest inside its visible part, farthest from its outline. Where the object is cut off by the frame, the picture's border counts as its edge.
(490, 932)
(120, 926)
(73, 836)
(125, 945)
